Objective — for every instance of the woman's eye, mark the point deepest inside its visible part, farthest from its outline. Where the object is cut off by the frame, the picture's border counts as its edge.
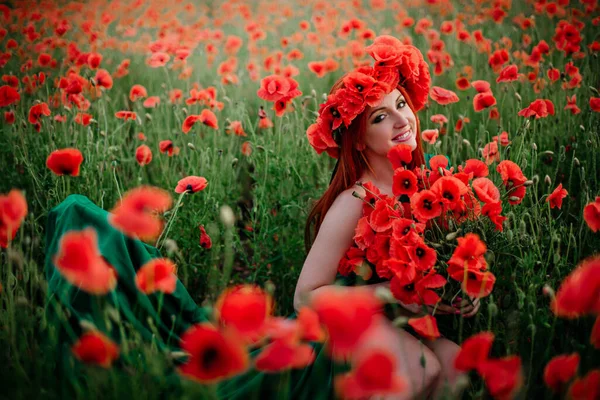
(378, 118)
(401, 104)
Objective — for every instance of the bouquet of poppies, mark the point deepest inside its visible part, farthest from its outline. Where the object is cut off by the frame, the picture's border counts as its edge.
(390, 239)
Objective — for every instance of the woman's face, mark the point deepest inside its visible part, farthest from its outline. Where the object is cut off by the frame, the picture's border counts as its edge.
(390, 123)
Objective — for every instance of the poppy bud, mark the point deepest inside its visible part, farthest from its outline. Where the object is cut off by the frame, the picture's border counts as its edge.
(548, 291)
(385, 295)
(148, 117)
(313, 93)
(260, 148)
(171, 246)
(576, 162)
(400, 322)
(87, 325)
(528, 183)
(547, 180)
(269, 288)
(518, 96)
(534, 146)
(582, 128)
(466, 143)
(184, 110)
(102, 133)
(492, 309)
(535, 179)
(227, 217)
(548, 152)
(526, 124)
(191, 146)
(234, 162)
(451, 236)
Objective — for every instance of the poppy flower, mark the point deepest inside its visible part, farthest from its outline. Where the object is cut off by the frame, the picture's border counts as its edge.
(95, 348)
(135, 214)
(422, 255)
(481, 101)
(213, 355)
(475, 168)
(209, 119)
(151, 102)
(65, 162)
(364, 236)
(103, 79)
(137, 92)
(8, 96)
(191, 184)
(374, 374)
(426, 327)
(591, 215)
(578, 292)
(400, 155)
(587, 387)
(245, 308)
(309, 325)
(502, 138)
(246, 149)
(430, 135)
(595, 104)
(158, 59)
(481, 86)
(143, 155)
(381, 218)
(125, 115)
(475, 283)
(404, 182)
(559, 371)
(157, 275)
(205, 240)
(492, 211)
(273, 88)
(236, 128)
(469, 253)
(351, 261)
(443, 96)
(449, 190)
(13, 209)
(474, 351)
(79, 261)
(486, 190)
(539, 108)
(572, 105)
(346, 314)
(556, 197)
(508, 74)
(503, 377)
(83, 119)
(166, 146)
(425, 205)
(37, 111)
(9, 117)
(462, 83)
(281, 355)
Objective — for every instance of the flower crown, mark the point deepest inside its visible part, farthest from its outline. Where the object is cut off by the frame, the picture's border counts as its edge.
(396, 64)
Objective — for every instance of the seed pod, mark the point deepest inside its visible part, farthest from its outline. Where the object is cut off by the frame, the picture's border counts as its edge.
(535, 179)
(547, 180)
(528, 183)
(514, 198)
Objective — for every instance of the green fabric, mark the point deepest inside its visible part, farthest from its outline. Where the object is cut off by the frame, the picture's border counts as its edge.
(67, 307)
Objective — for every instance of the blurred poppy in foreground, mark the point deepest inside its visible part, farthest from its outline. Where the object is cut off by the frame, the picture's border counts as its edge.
(213, 355)
(578, 292)
(95, 348)
(157, 275)
(135, 214)
(591, 214)
(13, 209)
(79, 261)
(559, 371)
(426, 327)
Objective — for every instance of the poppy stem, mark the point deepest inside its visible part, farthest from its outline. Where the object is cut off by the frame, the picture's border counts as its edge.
(165, 231)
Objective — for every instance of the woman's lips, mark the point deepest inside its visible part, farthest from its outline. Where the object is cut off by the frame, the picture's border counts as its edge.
(402, 137)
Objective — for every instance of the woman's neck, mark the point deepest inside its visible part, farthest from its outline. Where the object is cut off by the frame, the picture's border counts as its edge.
(382, 175)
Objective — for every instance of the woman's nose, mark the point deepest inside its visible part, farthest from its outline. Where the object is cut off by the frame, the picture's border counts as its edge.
(400, 119)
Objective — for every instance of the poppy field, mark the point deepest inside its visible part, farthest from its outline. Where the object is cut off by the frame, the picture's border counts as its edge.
(200, 128)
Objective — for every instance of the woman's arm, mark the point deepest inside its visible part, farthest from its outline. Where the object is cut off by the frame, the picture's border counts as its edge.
(334, 238)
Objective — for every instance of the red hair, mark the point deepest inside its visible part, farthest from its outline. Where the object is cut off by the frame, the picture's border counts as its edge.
(352, 163)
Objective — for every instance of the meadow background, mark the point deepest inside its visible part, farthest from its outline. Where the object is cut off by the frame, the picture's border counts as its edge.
(269, 177)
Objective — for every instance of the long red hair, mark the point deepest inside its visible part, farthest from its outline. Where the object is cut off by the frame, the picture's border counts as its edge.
(352, 163)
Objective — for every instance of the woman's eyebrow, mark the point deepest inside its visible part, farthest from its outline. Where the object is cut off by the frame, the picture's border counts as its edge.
(381, 108)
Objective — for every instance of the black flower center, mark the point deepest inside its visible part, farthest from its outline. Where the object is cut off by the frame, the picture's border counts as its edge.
(420, 252)
(427, 204)
(448, 195)
(359, 88)
(335, 113)
(406, 183)
(410, 287)
(209, 357)
(189, 188)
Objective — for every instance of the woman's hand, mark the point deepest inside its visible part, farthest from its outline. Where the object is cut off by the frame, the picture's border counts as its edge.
(469, 307)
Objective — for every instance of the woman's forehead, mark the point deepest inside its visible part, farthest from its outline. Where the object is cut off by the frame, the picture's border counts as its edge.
(388, 98)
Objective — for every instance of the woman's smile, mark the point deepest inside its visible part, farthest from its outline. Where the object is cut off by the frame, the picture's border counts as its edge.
(403, 136)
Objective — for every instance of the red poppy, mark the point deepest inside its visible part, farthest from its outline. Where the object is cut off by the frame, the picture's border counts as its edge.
(205, 240)
(462, 83)
(236, 128)
(475, 168)
(151, 102)
(273, 88)
(400, 155)
(137, 92)
(191, 184)
(158, 59)
(103, 79)
(95, 348)
(559, 371)
(346, 315)
(426, 327)
(37, 111)
(469, 253)
(404, 182)
(502, 377)
(422, 255)
(79, 261)
(587, 387)
(595, 104)
(430, 135)
(591, 215)
(157, 275)
(309, 326)
(402, 271)
(143, 155)
(508, 74)
(425, 205)
(13, 209)
(474, 351)
(486, 190)
(556, 197)
(475, 283)
(213, 355)
(352, 261)
(8, 96)
(553, 74)
(9, 117)
(383, 214)
(281, 355)
(125, 115)
(443, 96)
(572, 105)
(539, 108)
(83, 119)
(374, 374)
(449, 190)
(364, 236)
(481, 86)
(166, 146)
(578, 292)
(134, 214)
(245, 308)
(209, 119)
(65, 162)
(503, 138)
(481, 101)
(492, 211)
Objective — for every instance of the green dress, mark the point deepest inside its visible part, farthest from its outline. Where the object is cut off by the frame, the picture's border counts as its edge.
(157, 320)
